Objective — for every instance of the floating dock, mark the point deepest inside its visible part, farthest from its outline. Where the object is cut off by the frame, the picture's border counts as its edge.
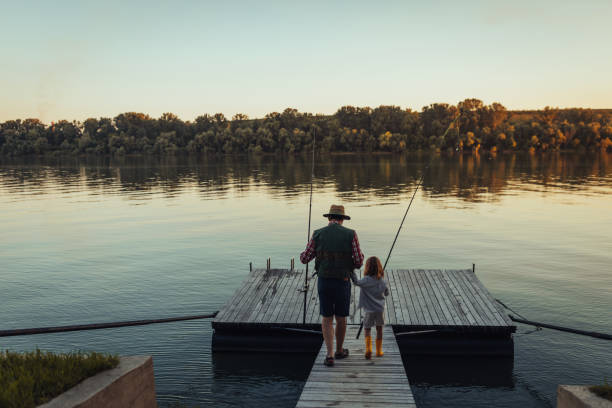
(431, 312)
(356, 382)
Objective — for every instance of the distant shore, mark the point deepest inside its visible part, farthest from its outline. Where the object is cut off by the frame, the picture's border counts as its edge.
(469, 126)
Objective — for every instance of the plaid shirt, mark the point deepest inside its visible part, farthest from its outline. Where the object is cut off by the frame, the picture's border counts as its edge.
(309, 253)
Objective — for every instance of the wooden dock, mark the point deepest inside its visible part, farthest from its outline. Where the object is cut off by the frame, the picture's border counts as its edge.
(357, 382)
(420, 299)
(427, 312)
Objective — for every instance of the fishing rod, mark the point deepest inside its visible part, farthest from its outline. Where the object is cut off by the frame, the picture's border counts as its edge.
(409, 205)
(413, 195)
(314, 139)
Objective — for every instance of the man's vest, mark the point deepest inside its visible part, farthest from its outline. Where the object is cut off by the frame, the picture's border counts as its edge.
(334, 249)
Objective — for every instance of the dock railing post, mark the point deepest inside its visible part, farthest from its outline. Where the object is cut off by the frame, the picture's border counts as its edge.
(250, 266)
(473, 268)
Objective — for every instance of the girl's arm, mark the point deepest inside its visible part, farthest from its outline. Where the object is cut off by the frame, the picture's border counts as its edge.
(354, 278)
(386, 292)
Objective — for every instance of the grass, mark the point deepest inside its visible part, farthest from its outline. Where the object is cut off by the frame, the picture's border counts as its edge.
(31, 379)
(604, 390)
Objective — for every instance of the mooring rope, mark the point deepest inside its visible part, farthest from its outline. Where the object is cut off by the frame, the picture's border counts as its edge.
(510, 309)
(540, 325)
(97, 326)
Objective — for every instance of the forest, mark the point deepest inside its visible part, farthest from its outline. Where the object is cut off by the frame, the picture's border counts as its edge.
(469, 126)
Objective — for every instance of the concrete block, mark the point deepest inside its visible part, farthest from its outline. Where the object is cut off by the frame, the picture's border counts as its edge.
(130, 384)
(579, 396)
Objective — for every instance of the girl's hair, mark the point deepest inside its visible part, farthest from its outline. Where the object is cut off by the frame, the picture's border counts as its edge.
(374, 268)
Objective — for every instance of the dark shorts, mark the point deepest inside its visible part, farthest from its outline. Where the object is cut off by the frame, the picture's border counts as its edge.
(334, 296)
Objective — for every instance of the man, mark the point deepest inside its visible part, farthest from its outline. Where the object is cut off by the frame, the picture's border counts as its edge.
(337, 253)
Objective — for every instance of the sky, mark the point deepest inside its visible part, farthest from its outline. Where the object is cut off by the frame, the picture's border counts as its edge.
(78, 59)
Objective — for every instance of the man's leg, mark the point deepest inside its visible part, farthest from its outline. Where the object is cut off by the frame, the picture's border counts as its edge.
(327, 324)
(326, 309)
(340, 332)
(342, 310)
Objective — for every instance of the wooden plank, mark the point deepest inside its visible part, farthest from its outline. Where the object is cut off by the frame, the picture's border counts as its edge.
(461, 299)
(265, 292)
(261, 296)
(430, 312)
(270, 300)
(441, 307)
(280, 309)
(409, 302)
(279, 301)
(413, 313)
(312, 315)
(481, 314)
(430, 300)
(322, 404)
(400, 314)
(389, 307)
(418, 302)
(231, 305)
(244, 301)
(452, 296)
(435, 286)
(488, 300)
(473, 297)
(355, 381)
(296, 303)
(251, 299)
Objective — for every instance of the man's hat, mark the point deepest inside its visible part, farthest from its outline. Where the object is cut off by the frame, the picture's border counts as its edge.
(337, 210)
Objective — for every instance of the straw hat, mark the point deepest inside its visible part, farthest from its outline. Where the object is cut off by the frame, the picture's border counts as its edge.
(337, 210)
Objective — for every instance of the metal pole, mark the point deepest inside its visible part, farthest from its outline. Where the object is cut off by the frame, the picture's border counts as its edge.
(314, 139)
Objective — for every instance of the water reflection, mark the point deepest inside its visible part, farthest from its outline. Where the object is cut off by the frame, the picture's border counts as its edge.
(471, 178)
(248, 379)
(424, 371)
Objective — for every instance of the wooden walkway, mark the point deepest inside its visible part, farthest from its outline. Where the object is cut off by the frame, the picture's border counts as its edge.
(357, 382)
(419, 300)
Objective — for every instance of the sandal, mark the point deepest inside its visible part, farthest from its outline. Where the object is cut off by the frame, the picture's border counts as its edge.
(329, 361)
(341, 354)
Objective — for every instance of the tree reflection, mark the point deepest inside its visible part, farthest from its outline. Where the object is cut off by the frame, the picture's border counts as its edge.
(471, 177)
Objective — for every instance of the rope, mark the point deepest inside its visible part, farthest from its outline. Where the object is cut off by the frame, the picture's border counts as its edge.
(510, 309)
(97, 326)
(604, 336)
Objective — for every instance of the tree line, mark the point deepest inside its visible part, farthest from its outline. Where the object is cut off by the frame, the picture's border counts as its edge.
(468, 126)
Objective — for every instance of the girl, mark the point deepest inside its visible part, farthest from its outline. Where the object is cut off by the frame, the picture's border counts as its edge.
(372, 300)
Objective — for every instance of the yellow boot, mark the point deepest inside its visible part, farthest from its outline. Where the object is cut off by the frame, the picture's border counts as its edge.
(368, 352)
(379, 352)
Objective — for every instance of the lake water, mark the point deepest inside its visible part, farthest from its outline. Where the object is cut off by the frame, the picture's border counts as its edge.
(96, 240)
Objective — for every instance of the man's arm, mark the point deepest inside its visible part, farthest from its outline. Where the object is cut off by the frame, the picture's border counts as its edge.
(309, 253)
(357, 254)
